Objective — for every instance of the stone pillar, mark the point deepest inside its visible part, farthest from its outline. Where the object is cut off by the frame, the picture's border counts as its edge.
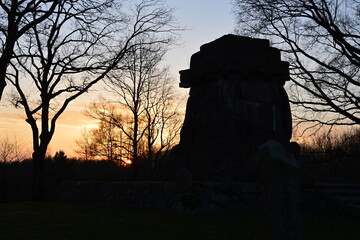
(236, 103)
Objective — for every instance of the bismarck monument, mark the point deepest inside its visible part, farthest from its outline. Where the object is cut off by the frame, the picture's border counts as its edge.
(237, 103)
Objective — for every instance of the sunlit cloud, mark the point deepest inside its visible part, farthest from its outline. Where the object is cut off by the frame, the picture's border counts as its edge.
(11, 121)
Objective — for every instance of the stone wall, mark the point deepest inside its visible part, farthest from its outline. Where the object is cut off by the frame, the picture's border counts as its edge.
(173, 196)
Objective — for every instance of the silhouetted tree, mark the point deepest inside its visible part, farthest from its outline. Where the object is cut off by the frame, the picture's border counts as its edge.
(65, 55)
(12, 151)
(321, 41)
(17, 17)
(162, 117)
(86, 147)
(148, 113)
(103, 143)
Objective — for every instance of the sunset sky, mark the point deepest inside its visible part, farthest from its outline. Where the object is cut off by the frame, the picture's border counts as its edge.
(205, 20)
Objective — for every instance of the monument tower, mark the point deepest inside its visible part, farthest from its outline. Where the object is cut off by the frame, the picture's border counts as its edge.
(237, 102)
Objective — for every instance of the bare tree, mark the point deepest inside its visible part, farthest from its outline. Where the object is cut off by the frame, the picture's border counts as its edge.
(106, 140)
(162, 117)
(149, 114)
(12, 150)
(103, 143)
(321, 41)
(16, 18)
(85, 146)
(76, 47)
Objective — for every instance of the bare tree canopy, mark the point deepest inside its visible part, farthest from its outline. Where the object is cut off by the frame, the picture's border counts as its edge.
(144, 107)
(321, 41)
(16, 18)
(102, 143)
(65, 55)
(11, 150)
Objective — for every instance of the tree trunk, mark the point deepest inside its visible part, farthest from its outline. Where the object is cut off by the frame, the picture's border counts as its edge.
(38, 172)
(2, 79)
(135, 163)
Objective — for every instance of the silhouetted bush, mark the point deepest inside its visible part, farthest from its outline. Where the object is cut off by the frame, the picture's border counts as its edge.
(332, 158)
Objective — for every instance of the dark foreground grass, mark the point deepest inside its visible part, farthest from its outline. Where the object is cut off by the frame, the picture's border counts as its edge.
(46, 220)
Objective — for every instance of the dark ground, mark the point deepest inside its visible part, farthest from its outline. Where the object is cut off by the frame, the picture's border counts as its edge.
(49, 220)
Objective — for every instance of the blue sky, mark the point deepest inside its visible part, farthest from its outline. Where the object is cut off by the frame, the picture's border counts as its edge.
(205, 20)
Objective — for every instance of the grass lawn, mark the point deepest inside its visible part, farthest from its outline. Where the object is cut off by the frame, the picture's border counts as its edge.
(51, 221)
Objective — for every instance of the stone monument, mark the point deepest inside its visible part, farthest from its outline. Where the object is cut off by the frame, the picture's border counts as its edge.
(237, 102)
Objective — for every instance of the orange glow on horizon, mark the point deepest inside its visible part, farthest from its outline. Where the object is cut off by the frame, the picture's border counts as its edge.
(68, 128)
